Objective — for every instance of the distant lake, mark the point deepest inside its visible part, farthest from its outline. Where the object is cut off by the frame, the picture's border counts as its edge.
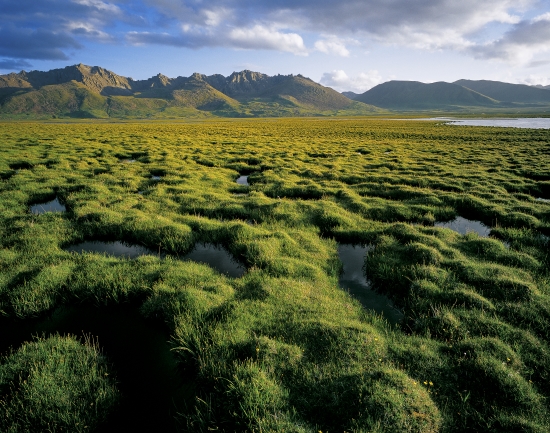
(532, 123)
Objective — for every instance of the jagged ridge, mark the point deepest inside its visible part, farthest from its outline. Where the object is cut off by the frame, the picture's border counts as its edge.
(92, 91)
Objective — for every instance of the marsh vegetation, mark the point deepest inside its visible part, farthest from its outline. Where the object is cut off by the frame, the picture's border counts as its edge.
(280, 345)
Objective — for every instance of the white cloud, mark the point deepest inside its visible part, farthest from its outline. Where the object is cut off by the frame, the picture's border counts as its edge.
(214, 18)
(86, 29)
(543, 17)
(260, 37)
(533, 80)
(254, 38)
(340, 81)
(521, 44)
(332, 46)
(99, 5)
(428, 39)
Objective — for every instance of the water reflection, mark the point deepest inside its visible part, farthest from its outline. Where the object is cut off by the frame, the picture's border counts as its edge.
(464, 226)
(353, 280)
(145, 368)
(50, 206)
(532, 123)
(547, 200)
(217, 258)
(212, 255)
(155, 177)
(127, 161)
(243, 180)
(116, 249)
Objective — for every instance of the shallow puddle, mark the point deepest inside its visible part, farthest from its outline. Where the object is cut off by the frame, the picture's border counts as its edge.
(155, 177)
(464, 226)
(243, 180)
(116, 249)
(217, 258)
(127, 161)
(353, 280)
(547, 200)
(145, 368)
(50, 206)
(212, 255)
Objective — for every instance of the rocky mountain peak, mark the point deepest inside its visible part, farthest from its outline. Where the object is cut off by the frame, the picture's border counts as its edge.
(246, 76)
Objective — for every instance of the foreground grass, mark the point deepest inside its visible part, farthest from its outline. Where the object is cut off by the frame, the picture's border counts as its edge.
(55, 384)
(283, 348)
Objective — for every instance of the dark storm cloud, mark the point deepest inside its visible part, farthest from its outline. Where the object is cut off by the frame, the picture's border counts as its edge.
(11, 64)
(34, 44)
(50, 29)
(197, 41)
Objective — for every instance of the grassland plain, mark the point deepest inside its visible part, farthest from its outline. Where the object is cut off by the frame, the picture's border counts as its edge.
(283, 348)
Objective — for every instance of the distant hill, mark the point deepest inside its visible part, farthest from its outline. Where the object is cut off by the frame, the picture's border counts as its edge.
(350, 95)
(413, 95)
(506, 92)
(92, 91)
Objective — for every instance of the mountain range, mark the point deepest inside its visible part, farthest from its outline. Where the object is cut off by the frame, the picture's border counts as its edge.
(82, 91)
(95, 92)
(458, 96)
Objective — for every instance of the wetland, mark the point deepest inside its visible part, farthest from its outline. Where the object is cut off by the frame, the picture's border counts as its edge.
(354, 280)
(275, 275)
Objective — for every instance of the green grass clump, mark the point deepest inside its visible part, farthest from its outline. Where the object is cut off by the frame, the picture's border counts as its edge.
(56, 384)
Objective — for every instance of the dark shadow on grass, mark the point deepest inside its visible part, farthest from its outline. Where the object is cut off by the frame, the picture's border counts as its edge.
(146, 370)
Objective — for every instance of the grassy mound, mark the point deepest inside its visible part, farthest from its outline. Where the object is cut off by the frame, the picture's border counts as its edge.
(55, 384)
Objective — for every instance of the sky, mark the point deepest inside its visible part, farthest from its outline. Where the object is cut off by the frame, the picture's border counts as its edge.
(350, 45)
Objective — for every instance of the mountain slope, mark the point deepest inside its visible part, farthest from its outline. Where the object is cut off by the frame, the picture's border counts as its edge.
(411, 95)
(55, 99)
(507, 92)
(247, 85)
(92, 91)
(94, 78)
(197, 93)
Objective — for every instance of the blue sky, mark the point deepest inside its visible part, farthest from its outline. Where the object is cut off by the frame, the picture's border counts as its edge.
(345, 44)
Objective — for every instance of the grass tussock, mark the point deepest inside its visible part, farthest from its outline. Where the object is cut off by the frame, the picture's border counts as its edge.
(56, 384)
